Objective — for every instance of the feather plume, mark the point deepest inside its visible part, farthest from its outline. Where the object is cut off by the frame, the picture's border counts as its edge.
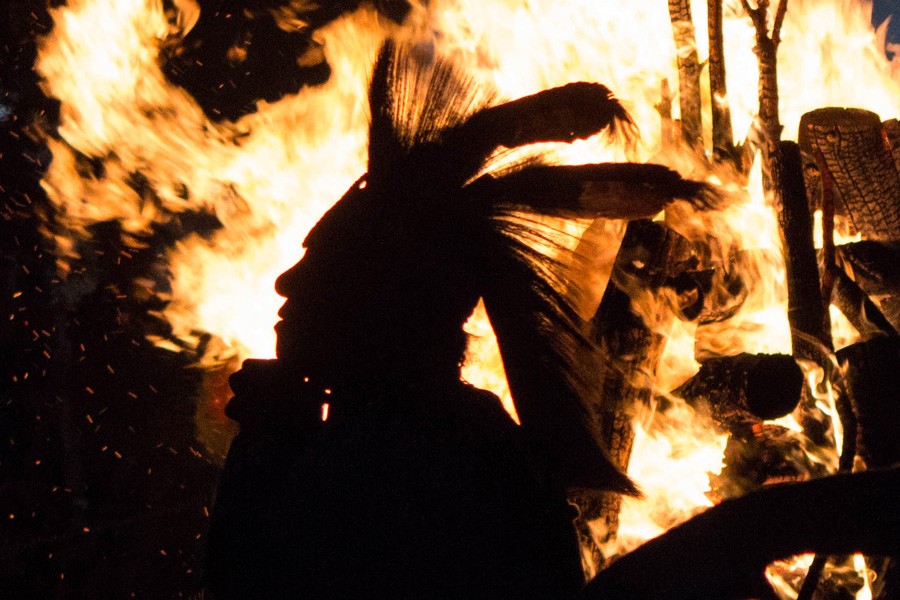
(608, 190)
(499, 234)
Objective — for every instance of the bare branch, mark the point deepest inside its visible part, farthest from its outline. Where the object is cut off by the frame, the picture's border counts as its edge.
(780, 12)
(723, 137)
(688, 71)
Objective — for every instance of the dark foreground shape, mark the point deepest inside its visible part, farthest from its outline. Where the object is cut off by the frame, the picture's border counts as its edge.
(427, 495)
(364, 467)
(721, 554)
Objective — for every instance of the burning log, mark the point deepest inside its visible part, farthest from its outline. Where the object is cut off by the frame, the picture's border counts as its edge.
(859, 309)
(746, 388)
(851, 144)
(766, 53)
(875, 268)
(764, 454)
(892, 132)
(807, 314)
(846, 159)
(667, 127)
(806, 309)
(722, 552)
(630, 350)
(871, 368)
(723, 138)
(688, 71)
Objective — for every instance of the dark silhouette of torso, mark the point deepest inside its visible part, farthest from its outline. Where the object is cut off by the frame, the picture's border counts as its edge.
(399, 494)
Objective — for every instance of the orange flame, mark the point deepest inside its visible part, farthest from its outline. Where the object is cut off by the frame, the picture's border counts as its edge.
(270, 175)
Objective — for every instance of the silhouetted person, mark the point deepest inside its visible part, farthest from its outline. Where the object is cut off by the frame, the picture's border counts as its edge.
(414, 483)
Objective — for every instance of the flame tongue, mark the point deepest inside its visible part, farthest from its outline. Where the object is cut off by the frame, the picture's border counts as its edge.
(270, 175)
(135, 148)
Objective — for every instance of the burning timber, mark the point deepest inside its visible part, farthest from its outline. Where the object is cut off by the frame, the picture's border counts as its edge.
(745, 389)
(846, 150)
(228, 167)
(723, 552)
(651, 258)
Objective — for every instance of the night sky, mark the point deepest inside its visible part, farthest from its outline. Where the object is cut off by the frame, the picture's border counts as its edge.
(881, 10)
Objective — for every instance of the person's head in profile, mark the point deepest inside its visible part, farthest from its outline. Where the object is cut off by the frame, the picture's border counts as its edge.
(392, 271)
(429, 486)
(383, 289)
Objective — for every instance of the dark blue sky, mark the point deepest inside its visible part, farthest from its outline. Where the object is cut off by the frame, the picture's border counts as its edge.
(881, 9)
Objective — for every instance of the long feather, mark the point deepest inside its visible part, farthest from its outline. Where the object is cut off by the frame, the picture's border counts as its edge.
(562, 114)
(432, 130)
(428, 93)
(544, 350)
(384, 147)
(608, 190)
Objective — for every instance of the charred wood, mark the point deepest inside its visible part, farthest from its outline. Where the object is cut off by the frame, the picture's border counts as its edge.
(875, 266)
(619, 395)
(852, 144)
(892, 132)
(688, 71)
(766, 51)
(648, 258)
(723, 138)
(762, 454)
(630, 348)
(721, 553)
(806, 309)
(667, 129)
(859, 309)
(807, 312)
(745, 389)
(870, 369)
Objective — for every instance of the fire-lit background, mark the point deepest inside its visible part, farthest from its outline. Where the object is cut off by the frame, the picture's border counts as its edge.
(160, 162)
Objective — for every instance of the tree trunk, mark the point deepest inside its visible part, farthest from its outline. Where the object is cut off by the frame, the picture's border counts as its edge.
(688, 71)
(723, 137)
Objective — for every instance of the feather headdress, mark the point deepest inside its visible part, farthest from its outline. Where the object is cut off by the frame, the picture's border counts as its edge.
(427, 231)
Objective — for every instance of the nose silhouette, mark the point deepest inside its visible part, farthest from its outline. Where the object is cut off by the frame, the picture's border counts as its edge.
(290, 279)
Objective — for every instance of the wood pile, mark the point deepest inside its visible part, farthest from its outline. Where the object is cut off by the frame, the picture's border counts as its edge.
(847, 165)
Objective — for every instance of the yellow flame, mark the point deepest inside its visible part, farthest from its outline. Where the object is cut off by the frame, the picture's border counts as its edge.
(671, 461)
(270, 175)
